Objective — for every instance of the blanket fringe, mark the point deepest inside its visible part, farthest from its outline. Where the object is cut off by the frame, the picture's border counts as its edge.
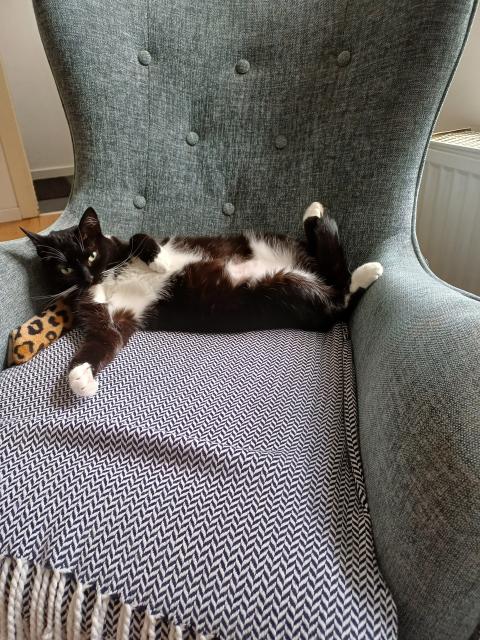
(176, 632)
(123, 629)
(37, 585)
(3, 584)
(148, 628)
(75, 613)
(15, 600)
(33, 601)
(57, 620)
(47, 633)
(41, 604)
(98, 616)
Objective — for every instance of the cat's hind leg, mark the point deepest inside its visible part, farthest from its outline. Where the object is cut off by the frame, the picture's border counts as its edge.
(323, 244)
(315, 210)
(365, 275)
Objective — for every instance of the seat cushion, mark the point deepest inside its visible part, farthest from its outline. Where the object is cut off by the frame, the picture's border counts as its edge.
(212, 486)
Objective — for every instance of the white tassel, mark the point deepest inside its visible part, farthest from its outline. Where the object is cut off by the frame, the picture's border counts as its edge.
(148, 628)
(52, 590)
(41, 604)
(19, 622)
(77, 613)
(37, 584)
(69, 617)
(175, 632)
(151, 627)
(57, 611)
(202, 636)
(123, 627)
(3, 604)
(15, 601)
(74, 618)
(98, 616)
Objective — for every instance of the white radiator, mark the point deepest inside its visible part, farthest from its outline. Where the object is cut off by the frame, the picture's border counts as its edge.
(448, 216)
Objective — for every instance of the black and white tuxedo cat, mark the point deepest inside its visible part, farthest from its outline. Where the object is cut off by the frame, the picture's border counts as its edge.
(245, 282)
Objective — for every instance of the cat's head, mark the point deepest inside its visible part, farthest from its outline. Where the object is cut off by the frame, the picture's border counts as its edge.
(75, 258)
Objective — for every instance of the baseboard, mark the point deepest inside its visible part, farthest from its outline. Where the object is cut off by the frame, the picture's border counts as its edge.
(9, 215)
(52, 172)
(51, 213)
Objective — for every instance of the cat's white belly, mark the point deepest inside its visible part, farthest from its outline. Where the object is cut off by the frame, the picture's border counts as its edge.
(267, 260)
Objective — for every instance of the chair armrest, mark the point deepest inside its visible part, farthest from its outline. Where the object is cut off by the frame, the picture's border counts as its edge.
(417, 357)
(21, 282)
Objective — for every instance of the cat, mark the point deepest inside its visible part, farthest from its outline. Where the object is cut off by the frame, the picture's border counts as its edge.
(246, 282)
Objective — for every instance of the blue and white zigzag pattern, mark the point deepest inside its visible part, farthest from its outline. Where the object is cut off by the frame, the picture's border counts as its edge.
(214, 484)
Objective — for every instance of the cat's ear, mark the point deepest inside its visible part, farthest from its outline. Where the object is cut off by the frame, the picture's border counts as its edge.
(34, 237)
(41, 243)
(89, 224)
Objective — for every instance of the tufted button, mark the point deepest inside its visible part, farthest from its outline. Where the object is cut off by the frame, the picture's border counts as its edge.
(242, 66)
(144, 57)
(228, 209)
(343, 58)
(280, 142)
(192, 138)
(139, 202)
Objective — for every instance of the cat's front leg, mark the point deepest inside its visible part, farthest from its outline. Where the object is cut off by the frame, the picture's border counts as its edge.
(105, 336)
(144, 247)
(82, 381)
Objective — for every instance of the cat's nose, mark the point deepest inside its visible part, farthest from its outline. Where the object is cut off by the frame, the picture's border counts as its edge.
(87, 276)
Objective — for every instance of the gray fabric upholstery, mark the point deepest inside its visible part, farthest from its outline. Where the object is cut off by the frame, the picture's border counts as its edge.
(353, 88)
(417, 354)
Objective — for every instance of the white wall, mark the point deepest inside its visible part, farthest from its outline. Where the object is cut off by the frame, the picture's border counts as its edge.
(42, 121)
(38, 108)
(462, 105)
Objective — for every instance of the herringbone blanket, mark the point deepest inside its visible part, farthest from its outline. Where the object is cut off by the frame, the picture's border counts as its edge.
(212, 488)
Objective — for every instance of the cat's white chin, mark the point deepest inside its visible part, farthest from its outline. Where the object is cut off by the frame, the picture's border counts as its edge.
(82, 382)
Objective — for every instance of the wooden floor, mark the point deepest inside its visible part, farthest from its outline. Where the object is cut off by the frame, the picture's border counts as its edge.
(11, 230)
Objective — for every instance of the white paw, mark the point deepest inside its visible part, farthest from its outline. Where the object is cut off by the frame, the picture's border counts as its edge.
(315, 210)
(159, 264)
(81, 380)
(365, 275)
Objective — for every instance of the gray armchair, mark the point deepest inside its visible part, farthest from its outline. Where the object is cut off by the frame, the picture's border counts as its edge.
(212, 117)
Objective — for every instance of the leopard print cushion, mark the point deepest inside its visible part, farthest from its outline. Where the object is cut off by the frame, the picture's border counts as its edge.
(39, 332)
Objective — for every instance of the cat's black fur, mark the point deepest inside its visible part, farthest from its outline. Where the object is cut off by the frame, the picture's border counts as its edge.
(198, 297)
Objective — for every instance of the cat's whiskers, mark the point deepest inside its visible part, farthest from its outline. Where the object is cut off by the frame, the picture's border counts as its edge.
(52, 256)
(53, 252)
(131, 255)
(120, 264)
(53, 297)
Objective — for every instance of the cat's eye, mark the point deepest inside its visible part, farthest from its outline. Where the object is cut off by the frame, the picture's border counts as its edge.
(65, 270)
(92, 257)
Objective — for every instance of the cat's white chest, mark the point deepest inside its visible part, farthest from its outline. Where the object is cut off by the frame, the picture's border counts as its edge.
(134, 289)
(139, 285)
